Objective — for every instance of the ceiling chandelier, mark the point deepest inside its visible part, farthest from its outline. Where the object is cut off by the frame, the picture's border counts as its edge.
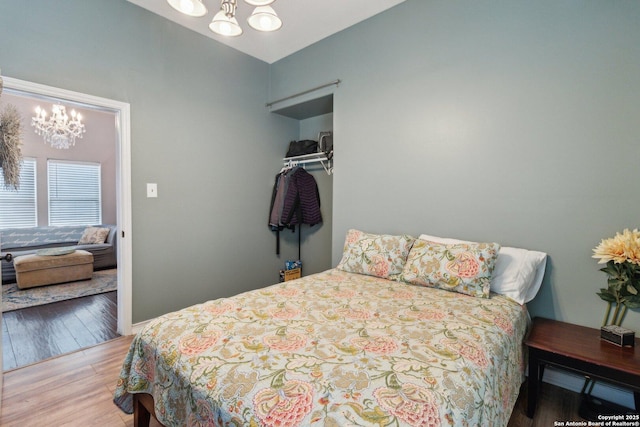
(58, 130)
(263, 18)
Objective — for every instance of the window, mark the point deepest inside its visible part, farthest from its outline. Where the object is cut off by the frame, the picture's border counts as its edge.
(74, 193)
(19, 208)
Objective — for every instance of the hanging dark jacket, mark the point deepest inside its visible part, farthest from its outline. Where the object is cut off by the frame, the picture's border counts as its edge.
(302, 200)
(295, 200)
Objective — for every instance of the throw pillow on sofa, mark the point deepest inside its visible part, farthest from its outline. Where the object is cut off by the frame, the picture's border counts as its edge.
(93, 235)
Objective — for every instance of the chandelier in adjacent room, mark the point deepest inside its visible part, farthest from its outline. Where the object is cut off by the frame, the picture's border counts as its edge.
(263, 18)
(59, 129)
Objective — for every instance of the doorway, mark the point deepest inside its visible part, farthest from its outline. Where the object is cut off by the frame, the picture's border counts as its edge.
(121, 117)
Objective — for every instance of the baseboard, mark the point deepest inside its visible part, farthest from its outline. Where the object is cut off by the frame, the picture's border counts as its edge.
(574, 382)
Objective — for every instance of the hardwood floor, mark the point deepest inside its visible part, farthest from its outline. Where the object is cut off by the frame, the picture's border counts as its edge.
(554, 404)
(33, 334)
(71, 390)
(77, 390)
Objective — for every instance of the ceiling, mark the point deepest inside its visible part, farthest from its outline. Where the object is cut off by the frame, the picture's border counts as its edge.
(304, 23)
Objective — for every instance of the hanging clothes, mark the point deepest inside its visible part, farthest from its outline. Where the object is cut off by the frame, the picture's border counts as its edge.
(277, 199)
(295, 200)
(302, 200)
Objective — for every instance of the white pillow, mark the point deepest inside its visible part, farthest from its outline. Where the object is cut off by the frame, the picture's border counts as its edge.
(518, 273)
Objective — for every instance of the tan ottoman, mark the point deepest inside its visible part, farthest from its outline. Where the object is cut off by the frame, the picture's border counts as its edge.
(40, 270)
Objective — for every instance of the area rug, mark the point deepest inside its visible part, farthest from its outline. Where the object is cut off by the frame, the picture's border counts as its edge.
(15, 299)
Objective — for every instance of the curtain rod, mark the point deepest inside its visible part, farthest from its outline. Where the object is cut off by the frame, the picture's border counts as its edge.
(335, 82)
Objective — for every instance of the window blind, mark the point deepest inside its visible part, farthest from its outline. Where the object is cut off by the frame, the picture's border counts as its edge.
(74, 193)
(18, 209)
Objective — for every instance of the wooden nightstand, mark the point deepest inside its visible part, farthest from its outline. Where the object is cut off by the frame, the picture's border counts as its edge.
(579, 349)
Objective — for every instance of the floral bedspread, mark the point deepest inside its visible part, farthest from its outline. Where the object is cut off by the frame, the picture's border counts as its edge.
(332, 349)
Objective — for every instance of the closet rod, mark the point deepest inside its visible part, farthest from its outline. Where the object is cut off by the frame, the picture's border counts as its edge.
(335, 82)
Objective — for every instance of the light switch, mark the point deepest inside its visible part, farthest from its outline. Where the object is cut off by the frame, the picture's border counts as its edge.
(152, 190)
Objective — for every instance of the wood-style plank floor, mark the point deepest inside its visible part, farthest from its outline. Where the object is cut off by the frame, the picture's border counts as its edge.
(77, 390)
(71, 390)
(33, 334)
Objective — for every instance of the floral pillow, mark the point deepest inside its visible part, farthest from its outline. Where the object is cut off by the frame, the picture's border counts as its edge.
(518, 273)
(379, 255)
(93, 235)
(463, 267)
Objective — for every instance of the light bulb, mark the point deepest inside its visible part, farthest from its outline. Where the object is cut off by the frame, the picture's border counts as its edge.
(187, 6)
(265, 22)
(259, 2)
(264, 18)
(225, 25)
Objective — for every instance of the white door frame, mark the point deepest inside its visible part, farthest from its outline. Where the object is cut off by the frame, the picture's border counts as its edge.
(123, 185)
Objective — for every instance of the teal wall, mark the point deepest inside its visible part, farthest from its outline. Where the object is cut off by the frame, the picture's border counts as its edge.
(509, 121)
(200, 130)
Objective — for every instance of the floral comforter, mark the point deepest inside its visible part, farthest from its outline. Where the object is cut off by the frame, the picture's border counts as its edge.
(332, 349)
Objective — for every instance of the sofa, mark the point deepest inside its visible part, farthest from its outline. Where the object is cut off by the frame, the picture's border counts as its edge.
(27, 241)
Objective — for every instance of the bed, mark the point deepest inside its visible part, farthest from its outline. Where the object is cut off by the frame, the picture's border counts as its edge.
(357, 345)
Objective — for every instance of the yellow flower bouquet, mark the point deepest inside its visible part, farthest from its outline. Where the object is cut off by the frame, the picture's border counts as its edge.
(622, 256)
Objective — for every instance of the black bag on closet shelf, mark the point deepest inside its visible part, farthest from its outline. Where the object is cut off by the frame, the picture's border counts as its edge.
(299, 148)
